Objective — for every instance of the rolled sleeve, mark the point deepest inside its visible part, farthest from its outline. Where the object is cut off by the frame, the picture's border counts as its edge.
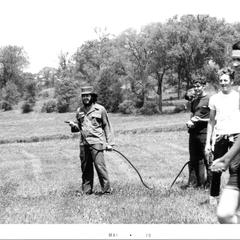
(107, 128)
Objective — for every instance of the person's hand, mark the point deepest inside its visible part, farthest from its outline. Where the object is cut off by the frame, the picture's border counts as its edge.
(209, 158)
(190, 124)
(195, 119)
(109, 147)
(71, 123)
(219, 165)
(208, 149)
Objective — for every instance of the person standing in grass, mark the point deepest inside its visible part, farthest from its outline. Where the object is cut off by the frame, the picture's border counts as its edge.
(227, 210)
(225, 120)
(189, 96)
(197, 128)
(96, 135)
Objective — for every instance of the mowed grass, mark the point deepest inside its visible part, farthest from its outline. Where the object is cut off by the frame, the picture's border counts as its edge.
(39, 180)
(15, 126)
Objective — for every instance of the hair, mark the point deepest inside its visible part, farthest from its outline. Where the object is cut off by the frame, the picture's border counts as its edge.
(94, 98)
(227, 70)
(236, 46)
(190, 94)
(200, 80)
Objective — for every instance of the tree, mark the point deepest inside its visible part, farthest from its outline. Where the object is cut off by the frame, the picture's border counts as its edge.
(47, 77)
(13, 60)
(30, 93)
(196, 40)
(9, 95)
(93, 56)
(136, 62)
(159, 60)
(66, 66)
(109, 90)
(67, 95)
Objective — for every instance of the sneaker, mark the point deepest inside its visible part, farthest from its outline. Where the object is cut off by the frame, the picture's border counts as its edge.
(213, 200)
(108, 192)
(89, 192)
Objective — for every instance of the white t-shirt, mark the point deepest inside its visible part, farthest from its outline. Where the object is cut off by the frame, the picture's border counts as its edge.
(227, 112)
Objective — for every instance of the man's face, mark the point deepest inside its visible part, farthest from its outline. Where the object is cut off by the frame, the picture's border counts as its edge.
(198, 89)
(225, 83)
(86, 99)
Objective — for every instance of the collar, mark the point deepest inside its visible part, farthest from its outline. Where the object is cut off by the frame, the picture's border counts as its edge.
(93, 107)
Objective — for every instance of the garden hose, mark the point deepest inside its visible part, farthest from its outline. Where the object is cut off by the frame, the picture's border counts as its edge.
(179, 173)
(115, 150)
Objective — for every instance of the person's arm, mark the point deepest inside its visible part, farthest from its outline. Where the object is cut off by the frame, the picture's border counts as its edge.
(190, 123)
(210, 128)
(199, 119)
(107, 128)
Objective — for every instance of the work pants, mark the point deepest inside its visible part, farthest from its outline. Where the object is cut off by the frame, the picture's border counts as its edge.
(198, 166)
(89, 156)
(221, 146)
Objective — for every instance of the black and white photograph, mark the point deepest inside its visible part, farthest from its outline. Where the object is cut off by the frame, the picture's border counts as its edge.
(119, 119)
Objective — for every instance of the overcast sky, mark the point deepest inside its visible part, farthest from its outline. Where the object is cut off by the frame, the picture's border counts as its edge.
(46, 27)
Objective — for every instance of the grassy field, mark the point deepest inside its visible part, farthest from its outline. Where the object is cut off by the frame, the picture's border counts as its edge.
(39, 179)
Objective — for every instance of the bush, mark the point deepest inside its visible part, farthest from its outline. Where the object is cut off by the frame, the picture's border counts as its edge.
(62, 105)
(49, 106)
(127, 107)
(5, 105)
(9, 95)
(149, 108)
(27, 107)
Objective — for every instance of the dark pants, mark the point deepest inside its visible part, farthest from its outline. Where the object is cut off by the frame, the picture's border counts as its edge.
(221, 146)
(90, 157)
(198, 165)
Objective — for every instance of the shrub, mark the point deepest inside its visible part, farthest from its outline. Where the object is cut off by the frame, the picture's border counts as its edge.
(27, 107)
(9, 95)
(149, 108)
(29, 97)
(5, 105)
(62, 105)
(49, 106)
(127, 107)
(30, 92)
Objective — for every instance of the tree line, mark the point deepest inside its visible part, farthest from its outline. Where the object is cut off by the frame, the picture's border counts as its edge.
(130, 71)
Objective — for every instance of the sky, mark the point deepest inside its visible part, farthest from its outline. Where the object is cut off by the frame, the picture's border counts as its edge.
(45, 28)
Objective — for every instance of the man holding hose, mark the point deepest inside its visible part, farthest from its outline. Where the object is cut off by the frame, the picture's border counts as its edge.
(96, 136)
